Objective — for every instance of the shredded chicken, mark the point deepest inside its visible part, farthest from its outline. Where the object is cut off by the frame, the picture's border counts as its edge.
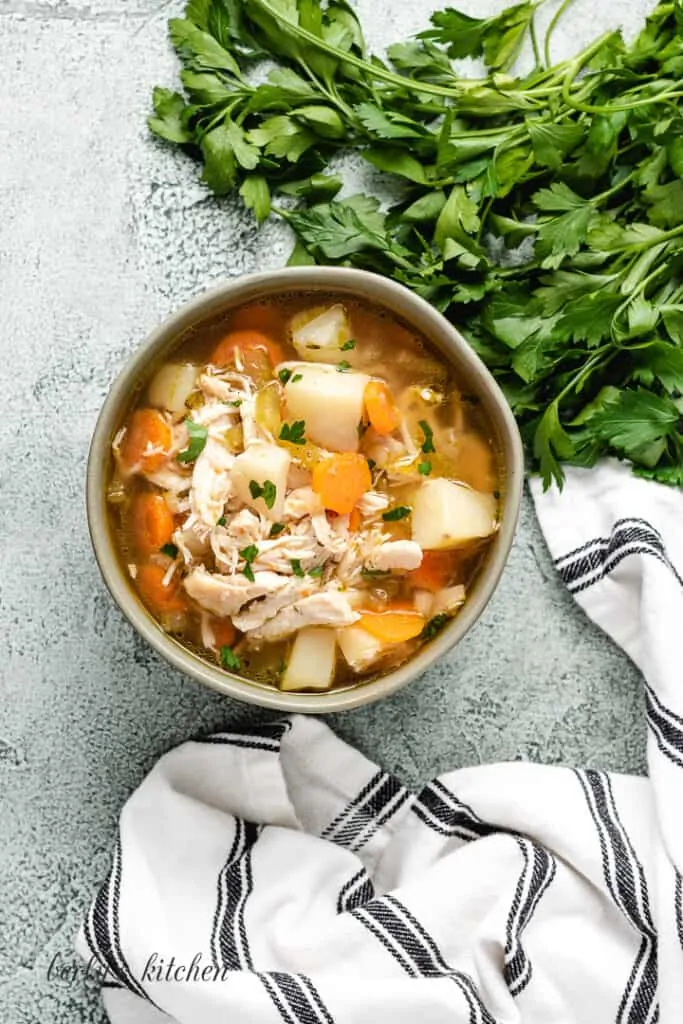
(396, 554)
(247, 528)
(333, 541)
(257, 613)
(372, 504)
(225, 595)
(328, 608)
(211, 482)
(303, 501)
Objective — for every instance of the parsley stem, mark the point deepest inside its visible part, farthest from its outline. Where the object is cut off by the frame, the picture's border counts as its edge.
(551, 28)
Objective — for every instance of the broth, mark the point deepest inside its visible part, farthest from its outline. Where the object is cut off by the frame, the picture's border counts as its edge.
(302, 492)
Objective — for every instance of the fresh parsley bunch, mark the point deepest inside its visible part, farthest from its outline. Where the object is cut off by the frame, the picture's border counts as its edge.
(543, 214)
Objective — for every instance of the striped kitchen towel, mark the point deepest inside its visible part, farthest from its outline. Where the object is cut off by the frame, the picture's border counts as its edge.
(277, 876)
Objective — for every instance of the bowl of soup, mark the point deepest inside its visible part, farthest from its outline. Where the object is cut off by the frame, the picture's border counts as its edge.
(303, 487)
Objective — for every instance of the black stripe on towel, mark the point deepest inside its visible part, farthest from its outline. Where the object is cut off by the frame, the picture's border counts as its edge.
(667, 727)
(356, 892)
(415, 950)
(594, 560)
(267, 736)
(627, 885)
(538, 871)
(442, 811)
(229, 943)
(296, 998)
(378, 801)
(103, 933)
(678, 905)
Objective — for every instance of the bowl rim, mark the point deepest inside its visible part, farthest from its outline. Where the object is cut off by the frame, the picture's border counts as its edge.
(233, 292)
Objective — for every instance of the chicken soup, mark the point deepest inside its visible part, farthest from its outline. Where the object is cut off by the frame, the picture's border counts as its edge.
(304, 492)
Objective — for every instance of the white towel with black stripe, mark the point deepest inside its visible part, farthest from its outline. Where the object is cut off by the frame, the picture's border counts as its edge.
(277, 876)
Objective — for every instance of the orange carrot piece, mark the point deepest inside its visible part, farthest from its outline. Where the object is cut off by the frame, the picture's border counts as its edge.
(394, 626)
(151, 522)
(341, 480)
(246, 341)
(157, 597)
(259, 317)
(436, 570)
(146, 442)
(355, 520)
(224, 633)
(379, 406)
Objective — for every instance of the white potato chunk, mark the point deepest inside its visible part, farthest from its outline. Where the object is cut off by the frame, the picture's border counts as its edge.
(261, 469)
(446, 514)
(360, 648)
(172, 385)
(318, 338)
(330, 403)
(448, 600)
(312, 662)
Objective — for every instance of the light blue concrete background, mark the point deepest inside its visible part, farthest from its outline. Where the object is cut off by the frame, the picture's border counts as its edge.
(103, 231)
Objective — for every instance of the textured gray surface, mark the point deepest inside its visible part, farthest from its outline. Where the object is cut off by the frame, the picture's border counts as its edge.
(103, 232)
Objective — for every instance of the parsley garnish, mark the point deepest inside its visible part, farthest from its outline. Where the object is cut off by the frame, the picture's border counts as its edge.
(276, 529)
(424, 467)
(296, 567)
(236, 403)
(296, 377)
(267, 491)
(170, 549)
(249, 554)
(284, 374)
(371, 464)
(316, 572)
(230, 660)
(348, 345)
(394, 514)
(428, 443)
(434, 626)
(197, 436)
(293, 432)
(222, 521)
(372, 574)
(344, 366)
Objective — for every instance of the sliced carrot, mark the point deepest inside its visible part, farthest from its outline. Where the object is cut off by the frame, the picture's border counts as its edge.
(146, 443)
(247, 342)
(258, 317)
(151, 522)
(355, 520)
(394, 626)
(436, 570)
(157, 597)
(224, 633)
(380, 408)
(341, 480)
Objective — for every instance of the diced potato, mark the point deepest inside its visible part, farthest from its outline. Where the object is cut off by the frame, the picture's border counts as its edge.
(446, 514)
(359, 648)
(172, 385)
(258, 467)
(447, 600)
(312, 662)
(318, 338)
(330, 403)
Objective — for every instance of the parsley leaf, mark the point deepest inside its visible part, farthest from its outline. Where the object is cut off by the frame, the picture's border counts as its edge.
(267, 491)
(169, 549)
(296, 377)
(296, 567)
(197, 436)
(394, 514)
(434, 626)
(293, 432)
(428, 443)
(276, 529)
(284, 374)
(316, 572)
(424, 467)
(348, 345)
(230, 660)
(344, 366)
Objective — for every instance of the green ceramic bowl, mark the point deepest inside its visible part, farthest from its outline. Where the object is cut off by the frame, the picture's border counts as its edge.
(469, 369)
